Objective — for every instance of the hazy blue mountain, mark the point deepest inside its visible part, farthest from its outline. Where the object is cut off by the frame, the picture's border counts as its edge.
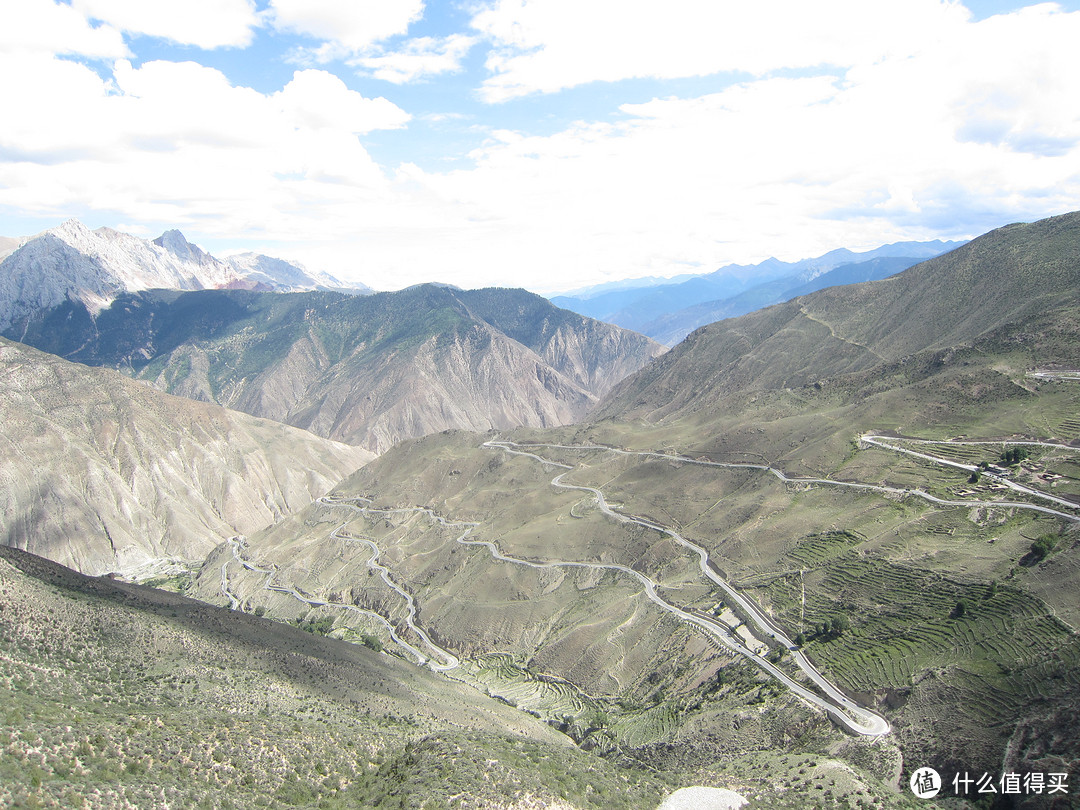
(593, 290)
(1014, 281)
(634, 308)
(668, 312)
(669, 329)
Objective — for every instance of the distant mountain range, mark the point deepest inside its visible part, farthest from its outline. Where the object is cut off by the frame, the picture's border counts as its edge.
(72, 262)
(369, 370)
(668, 312)
(366, 369)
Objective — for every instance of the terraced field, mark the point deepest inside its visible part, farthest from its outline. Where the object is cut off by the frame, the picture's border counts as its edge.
(912, 646)
(1069, 428)
(548, 696)
(904, 622)
(819, 548)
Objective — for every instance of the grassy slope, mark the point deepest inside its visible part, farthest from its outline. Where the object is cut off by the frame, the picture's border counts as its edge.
(116, 695)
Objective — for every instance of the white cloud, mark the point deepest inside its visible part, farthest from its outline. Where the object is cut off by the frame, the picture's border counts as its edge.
(911, 136)
(542, 47)
(417, 58)
(320, 100)
(1022, 98)
(42, 26)
(175, 142)
(791, 166)
(203, 23)
(352, 25)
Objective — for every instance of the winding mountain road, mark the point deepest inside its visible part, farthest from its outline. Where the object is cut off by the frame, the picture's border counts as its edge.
(450, 661)
(843, 709)
(851, 715)
(236, 543)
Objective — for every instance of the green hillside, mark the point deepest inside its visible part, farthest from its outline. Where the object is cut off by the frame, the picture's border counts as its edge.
(115, 695)
(922, 590)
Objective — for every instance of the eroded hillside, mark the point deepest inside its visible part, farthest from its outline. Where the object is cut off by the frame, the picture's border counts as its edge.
(103, 473)
(368, 370)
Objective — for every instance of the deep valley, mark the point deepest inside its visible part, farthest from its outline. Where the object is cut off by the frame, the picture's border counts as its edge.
(801, 554)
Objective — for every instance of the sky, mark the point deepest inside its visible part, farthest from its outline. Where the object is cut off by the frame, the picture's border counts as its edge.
(546, 144)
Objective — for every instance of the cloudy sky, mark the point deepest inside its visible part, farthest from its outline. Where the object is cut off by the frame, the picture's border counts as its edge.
(548, 144)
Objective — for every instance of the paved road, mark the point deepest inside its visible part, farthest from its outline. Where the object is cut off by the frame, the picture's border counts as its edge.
(1060, 376)
(856, 718)
(839, 706)
(764, 625)
(236, 543)
(884, 442)
(450, 661)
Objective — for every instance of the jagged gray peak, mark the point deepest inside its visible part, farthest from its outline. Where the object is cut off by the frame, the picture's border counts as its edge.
(8, 245)
(267, 272)
(72, 262)
(177, 244)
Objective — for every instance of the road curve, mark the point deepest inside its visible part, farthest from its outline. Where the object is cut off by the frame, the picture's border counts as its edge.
(236, 543)
(450, 661)
(854, 717)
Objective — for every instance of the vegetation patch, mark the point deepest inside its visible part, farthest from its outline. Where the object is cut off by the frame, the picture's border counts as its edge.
(818, 548)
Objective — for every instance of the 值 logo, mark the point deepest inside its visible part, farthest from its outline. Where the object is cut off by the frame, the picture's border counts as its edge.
(925, 783)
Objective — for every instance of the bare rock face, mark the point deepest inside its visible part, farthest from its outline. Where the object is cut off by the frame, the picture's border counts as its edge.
(397, 366)
(478, 380)
(370, 370)
(72, 262)
(102, 473)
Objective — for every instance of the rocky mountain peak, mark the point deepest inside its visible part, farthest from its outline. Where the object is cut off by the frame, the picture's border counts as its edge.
(71, 232)
(177, 244)
(73, 263)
